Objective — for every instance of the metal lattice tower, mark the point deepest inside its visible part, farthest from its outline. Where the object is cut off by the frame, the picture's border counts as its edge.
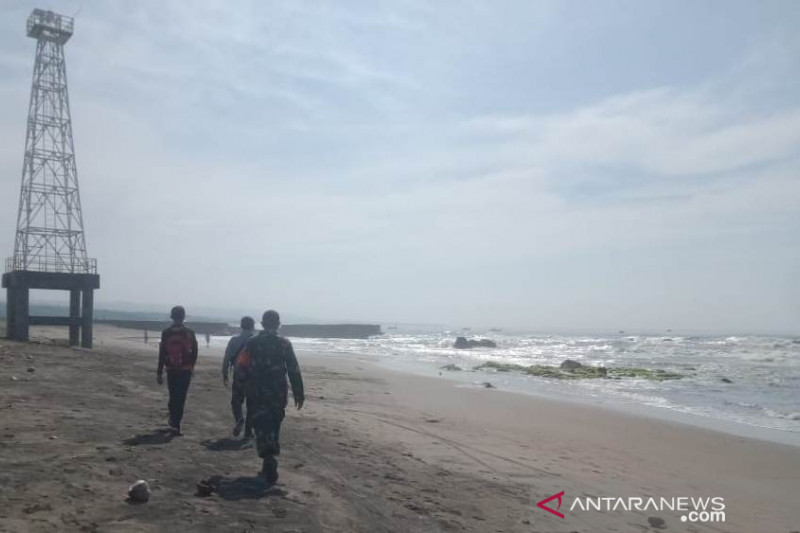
(49, 249)
(49, 234)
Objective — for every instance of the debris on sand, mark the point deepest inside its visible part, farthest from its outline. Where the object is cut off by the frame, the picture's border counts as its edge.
(139, 492)
(37, 507)
(205, 488)
(656, 522)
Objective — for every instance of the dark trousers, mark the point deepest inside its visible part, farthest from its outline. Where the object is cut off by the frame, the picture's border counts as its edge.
(178, 385)
(267, 420)
(237, 399)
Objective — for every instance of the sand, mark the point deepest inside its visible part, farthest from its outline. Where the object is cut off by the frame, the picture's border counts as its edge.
(373, 450)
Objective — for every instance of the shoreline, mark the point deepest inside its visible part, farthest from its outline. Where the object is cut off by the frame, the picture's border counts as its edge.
(553, 393)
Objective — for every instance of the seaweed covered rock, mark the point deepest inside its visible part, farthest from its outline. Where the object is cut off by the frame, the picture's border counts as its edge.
(463, 343)
(581, 371)
(570, 366)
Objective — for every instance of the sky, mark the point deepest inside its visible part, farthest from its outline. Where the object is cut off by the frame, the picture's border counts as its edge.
(527, 164)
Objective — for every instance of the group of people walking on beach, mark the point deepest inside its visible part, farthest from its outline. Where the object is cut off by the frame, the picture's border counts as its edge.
(260, 364)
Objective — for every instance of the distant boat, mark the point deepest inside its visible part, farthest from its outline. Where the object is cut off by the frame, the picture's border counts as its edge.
(496, 330)
(391, 327)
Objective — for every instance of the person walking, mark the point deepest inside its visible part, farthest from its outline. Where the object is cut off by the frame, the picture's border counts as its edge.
(265, 363)
(232, 351)
(177, 352)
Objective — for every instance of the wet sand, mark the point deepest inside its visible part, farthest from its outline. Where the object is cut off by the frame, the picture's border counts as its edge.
(373, 450)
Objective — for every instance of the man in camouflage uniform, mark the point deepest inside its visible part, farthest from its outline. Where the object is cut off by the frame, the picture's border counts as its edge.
(264, 364)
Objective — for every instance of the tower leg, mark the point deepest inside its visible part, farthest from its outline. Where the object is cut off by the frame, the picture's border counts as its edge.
(87, 318)
(11, 311)
(74, 316)
(21, 318)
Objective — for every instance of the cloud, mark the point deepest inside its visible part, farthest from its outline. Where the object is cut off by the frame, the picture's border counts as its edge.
(353, 161)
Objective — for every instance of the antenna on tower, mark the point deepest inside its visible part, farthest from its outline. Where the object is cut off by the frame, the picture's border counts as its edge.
(50, 247)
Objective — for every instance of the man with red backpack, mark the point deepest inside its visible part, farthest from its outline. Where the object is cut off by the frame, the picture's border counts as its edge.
(178, 352)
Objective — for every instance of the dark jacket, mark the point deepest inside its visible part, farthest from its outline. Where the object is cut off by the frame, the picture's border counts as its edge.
(264, 364)
(235, 346)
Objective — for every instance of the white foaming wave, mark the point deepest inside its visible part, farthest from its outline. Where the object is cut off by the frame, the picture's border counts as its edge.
(764, 370)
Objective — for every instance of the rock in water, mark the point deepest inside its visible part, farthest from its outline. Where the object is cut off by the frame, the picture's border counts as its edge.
(139, 492)
(570, 366)
(484, 343)
(461, 343)
(656, 522)
(464, 343)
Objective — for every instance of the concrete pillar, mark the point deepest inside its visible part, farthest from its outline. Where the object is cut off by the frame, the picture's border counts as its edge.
(11, 311)
(21, 314)
(74, 316)
(87, 317)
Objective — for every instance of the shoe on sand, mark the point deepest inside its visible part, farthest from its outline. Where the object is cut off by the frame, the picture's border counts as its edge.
(269, 471)
(237, 429)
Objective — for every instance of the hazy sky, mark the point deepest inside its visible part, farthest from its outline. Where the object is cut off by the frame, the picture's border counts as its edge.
(543, 165)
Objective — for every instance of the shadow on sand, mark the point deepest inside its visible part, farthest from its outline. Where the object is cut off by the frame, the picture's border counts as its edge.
(227, 444)
(159, 436)
(243, 488)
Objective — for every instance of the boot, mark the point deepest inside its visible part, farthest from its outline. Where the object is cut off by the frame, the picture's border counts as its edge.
(269, 470)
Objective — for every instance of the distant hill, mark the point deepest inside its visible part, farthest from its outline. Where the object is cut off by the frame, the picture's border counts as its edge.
(99, 314)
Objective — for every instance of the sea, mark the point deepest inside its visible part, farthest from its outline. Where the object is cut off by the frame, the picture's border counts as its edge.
(747, 385)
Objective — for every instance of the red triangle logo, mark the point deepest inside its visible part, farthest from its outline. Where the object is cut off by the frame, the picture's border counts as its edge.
(542, 503)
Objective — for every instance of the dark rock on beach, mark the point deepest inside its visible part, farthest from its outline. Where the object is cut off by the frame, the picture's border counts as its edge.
(139, 492)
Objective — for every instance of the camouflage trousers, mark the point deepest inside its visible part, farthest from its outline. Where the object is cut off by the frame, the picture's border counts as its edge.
(266, 418)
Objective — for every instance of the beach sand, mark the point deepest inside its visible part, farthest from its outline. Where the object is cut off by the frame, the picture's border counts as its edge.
(373, 450)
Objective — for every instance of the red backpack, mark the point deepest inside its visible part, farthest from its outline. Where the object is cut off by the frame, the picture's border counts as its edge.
(178, 347)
